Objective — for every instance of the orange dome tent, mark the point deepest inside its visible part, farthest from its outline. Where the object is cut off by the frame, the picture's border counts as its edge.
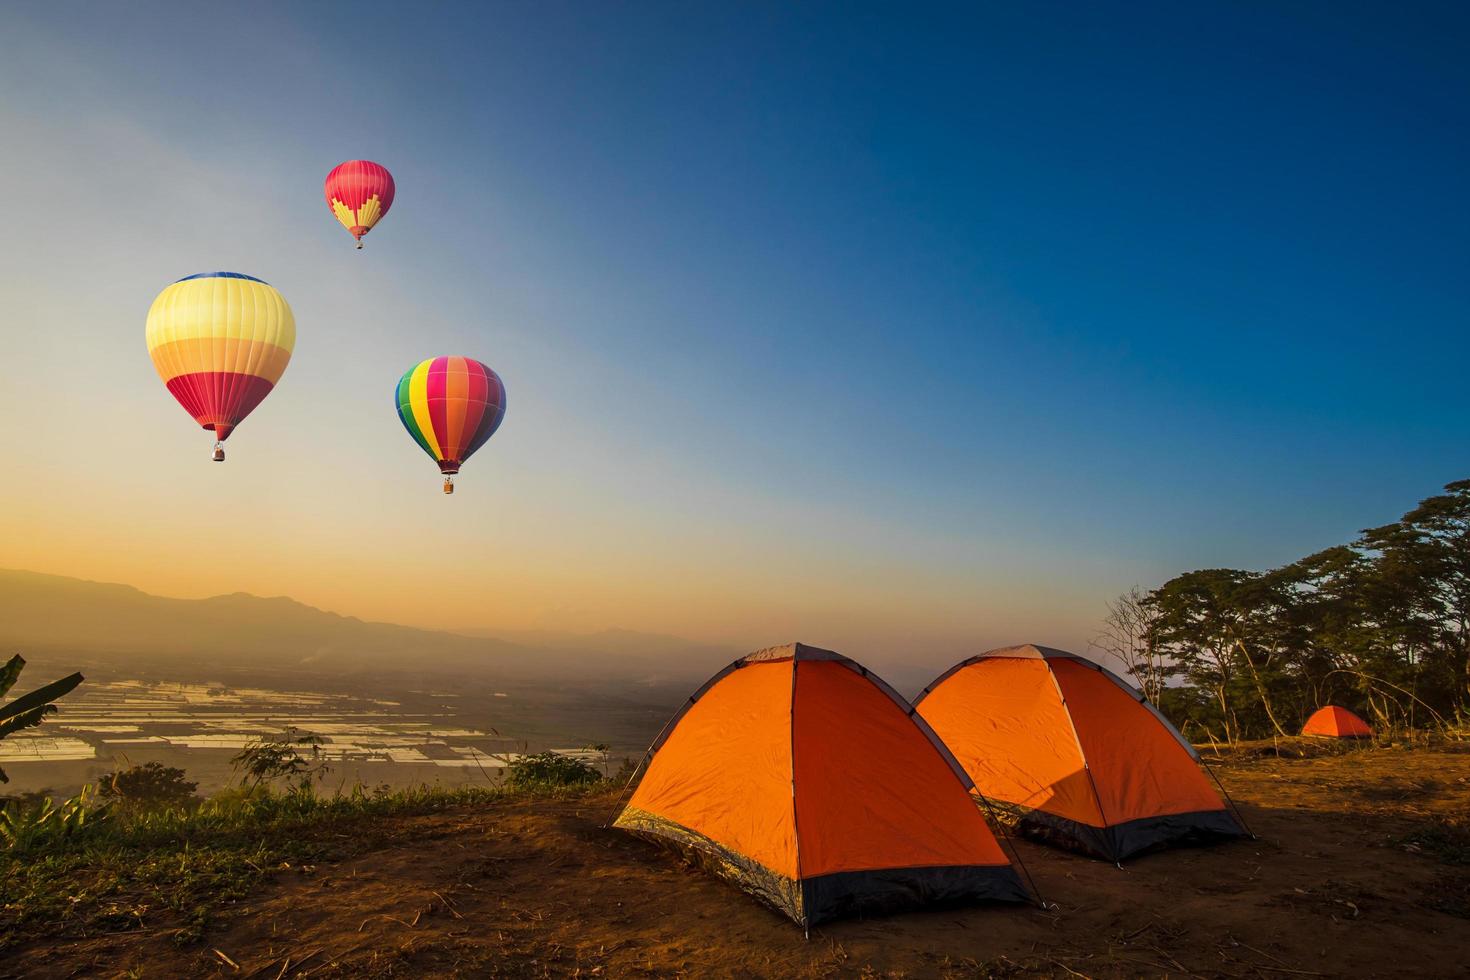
(807, 781)
(1335, 722)
(1073, 754)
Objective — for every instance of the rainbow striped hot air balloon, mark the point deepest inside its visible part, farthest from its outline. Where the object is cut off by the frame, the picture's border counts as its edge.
(220, 341)
(450, 405)
(359, 193)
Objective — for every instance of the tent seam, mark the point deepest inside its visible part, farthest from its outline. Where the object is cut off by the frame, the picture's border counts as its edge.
(795, 826)
(946, 755)
(1081, 752)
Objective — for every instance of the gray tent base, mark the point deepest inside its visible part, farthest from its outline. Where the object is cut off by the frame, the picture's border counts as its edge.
(1119, 842)
(831, 896)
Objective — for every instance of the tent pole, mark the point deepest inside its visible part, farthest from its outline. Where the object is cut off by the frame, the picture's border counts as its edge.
(1226, 793)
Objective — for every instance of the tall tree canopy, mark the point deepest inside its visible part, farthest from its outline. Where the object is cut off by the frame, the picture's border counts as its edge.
(1381, 625)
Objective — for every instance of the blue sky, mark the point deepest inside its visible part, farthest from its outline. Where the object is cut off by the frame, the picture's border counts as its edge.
(901, 329)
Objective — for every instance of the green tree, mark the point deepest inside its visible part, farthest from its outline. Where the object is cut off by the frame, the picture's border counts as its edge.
(1381, 624)
(1428, 553)
(1360, 616)
(1227, 632)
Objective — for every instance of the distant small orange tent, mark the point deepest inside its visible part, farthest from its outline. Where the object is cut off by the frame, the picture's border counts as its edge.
(1335, 722)
(1072, 754)
(807, 781)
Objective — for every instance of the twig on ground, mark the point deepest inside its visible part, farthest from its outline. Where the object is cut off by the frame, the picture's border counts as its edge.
(448, 905)
(285, 967)
(1172, 961)
(381, 915)
(1068, 969)
(1258, 952)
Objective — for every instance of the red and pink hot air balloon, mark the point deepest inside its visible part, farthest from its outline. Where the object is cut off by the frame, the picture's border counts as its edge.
(359, 193)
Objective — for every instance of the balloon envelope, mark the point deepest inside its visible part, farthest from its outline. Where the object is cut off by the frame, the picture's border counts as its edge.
(450, 405)
(359, 192)
(220, 341)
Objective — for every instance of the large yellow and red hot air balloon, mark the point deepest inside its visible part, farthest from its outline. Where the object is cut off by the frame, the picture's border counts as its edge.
(220, 341)
(450, 405)
(359, 193)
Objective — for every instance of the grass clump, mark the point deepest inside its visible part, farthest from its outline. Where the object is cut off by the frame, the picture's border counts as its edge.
(1446, 840)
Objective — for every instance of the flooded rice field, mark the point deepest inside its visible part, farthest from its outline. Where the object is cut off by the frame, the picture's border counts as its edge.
(421, 736)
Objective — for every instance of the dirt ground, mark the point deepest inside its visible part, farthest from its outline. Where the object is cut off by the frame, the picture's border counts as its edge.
(1342, 882)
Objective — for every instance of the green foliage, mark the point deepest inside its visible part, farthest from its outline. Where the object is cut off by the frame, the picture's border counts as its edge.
(27, 796)
(548, 769)
(603, 760)
(151, 784)
(30, 709)
(10, 673)
(1381, 626)
(27, 825)
(294, 757)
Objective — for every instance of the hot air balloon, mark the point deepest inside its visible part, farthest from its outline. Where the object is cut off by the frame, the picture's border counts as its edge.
(450, 405)
(359, 193)
(220, 341)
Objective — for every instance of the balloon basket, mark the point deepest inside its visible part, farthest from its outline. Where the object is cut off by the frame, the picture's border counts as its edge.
(448, 484)
(219, 453)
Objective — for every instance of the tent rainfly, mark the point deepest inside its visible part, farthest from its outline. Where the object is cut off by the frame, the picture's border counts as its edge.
(1072, 754)
(1335, 722)
(808, 782)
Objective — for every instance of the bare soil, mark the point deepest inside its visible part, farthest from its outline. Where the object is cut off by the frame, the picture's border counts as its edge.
(1360, 870)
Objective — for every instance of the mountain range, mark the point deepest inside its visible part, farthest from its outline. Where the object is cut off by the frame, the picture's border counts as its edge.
(114, 623)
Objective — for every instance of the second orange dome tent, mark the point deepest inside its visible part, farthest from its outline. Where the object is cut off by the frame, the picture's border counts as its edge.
(1073, 754)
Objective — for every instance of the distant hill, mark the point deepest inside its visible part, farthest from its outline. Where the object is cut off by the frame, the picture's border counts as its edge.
(52, 612)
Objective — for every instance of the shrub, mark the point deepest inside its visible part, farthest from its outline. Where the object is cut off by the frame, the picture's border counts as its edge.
(151, 784)
(278, 757)
(548, 769)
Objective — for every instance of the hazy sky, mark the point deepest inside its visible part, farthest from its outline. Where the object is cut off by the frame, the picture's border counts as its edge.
(900, 330)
